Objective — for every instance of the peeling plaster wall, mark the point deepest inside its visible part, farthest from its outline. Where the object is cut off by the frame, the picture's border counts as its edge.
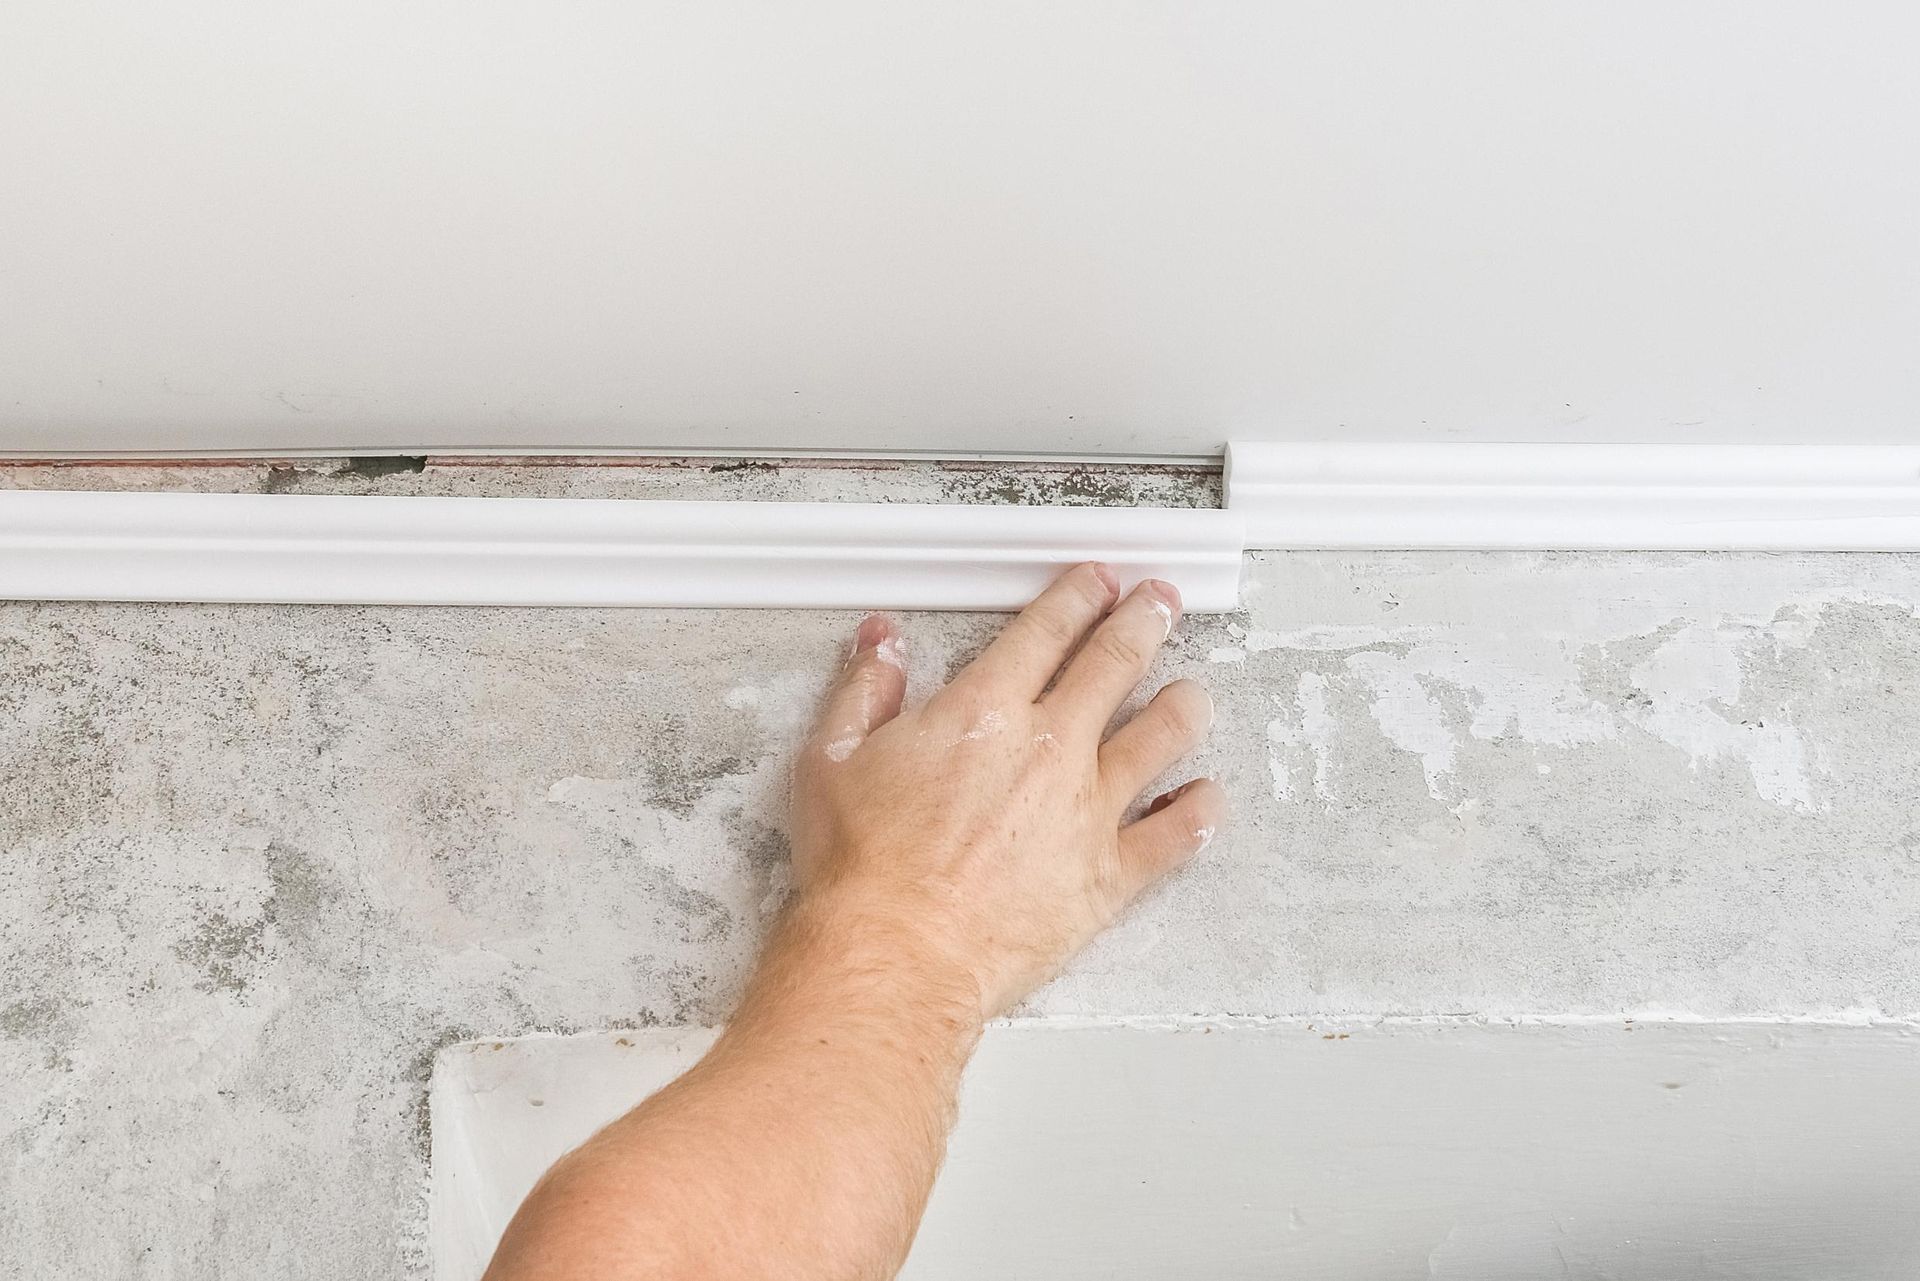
(257, 864)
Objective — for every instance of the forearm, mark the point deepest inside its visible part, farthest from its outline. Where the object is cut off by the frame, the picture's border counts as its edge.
(762, 1161)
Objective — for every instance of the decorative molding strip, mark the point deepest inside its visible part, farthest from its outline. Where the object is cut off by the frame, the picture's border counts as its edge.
(307, 549)
(1577, 497)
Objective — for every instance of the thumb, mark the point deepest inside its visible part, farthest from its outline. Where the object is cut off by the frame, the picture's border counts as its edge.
(869, 691)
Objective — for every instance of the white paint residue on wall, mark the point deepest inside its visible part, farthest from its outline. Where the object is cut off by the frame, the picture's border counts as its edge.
(568, 790)
(1313, 727)
(783, 705)
(1282, 733)
(1432, 685)
(1426, 693)
(1322, 638)
(1319, 725)
(1695, 681)
(1793, 627)
(1408, 714)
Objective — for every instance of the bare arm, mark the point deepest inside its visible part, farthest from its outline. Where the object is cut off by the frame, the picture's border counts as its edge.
(947, 860)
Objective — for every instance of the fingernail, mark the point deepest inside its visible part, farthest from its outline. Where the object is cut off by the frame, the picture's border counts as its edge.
(872, 630)
(1165, 590)
(1107, 577)
(1165, 799)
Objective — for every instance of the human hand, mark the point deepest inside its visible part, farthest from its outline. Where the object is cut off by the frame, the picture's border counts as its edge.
(985, 826)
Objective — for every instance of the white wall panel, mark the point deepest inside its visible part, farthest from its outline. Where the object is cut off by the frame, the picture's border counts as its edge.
(1448, 1149)
(1129, 226)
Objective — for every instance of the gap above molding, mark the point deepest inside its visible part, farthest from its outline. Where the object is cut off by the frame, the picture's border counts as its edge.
(379, 550)
(1575, 497)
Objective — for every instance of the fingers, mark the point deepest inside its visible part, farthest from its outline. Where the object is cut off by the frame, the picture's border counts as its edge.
(1166, 729)
(1179, 825)
(869, 690)
(1034, 645)
(1116, 656)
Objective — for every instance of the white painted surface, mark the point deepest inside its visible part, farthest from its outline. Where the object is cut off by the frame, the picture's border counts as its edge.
(1139, 227)
(1372, 1152)
(1467, 496)
(304, 549)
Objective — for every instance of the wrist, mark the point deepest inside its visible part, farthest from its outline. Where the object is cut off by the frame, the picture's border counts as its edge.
(835, 954)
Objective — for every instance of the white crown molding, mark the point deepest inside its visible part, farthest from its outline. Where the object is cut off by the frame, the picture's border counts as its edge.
(306, 549)
(302, 549)
(1465, 496)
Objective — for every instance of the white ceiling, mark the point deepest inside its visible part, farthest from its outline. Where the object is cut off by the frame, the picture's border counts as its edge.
(1085, 226)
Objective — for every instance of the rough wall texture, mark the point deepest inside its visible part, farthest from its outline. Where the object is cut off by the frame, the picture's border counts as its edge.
(257, 864)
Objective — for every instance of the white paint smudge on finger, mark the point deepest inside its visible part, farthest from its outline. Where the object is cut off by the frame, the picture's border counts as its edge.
(892, 650)
(1165, 611)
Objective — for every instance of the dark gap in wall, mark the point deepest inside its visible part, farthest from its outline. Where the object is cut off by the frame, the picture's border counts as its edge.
(374, 466)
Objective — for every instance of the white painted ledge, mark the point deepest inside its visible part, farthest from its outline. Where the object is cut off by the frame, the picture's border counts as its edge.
(1464, 496)
(307, 549)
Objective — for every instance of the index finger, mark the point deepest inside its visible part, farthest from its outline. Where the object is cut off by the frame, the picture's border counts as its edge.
(1041, 637)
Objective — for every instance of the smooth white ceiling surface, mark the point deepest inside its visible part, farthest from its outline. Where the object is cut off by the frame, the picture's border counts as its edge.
(1137, 227)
